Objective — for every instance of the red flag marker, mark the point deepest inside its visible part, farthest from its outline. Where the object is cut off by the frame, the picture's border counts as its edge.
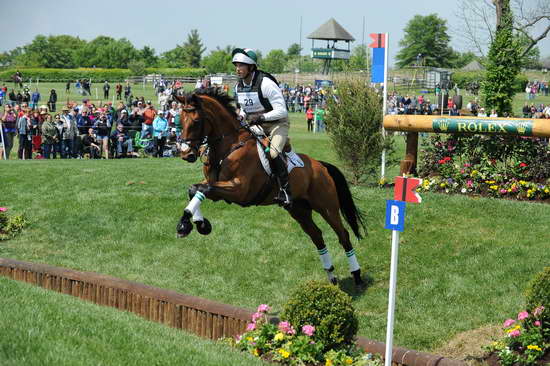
(405, 189)
(379, 40)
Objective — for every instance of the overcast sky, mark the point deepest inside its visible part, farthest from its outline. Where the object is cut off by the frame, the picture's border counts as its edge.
(263, 25)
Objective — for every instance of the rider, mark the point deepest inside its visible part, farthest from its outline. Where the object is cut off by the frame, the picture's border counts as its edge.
(261, 102)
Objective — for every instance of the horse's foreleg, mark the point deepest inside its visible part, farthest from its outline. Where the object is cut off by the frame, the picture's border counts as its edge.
(301, 212)
(193, 213)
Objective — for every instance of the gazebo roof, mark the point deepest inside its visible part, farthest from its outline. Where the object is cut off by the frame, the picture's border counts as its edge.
(473, 66)
(331, 30)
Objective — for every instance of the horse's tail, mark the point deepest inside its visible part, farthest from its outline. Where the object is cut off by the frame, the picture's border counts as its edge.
(351, 213)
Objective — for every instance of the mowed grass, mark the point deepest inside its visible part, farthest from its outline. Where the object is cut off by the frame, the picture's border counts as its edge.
(42, 327)
(463, 262)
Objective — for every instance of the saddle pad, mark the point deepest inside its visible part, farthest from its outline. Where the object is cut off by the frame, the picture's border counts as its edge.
(292, 160)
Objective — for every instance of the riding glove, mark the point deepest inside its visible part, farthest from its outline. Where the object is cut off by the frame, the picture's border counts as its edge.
(257, 120)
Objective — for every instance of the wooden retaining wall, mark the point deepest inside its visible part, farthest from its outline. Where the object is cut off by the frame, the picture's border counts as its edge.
(202, 317)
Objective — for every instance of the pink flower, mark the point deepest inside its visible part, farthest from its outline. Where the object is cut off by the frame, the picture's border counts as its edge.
(3, 209)
(466, 165)
(256, 316)
(263, 308)
(250, 327)
(285, 327)
(469, 183)
(537, 323)
(503, 191)
(538, 310)
(308, 330)
(515, 333)
(509, 322)
(523, 315)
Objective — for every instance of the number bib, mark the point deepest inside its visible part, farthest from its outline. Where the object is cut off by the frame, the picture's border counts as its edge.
(250, 102)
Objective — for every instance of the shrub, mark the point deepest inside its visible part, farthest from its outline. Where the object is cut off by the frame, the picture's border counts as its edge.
(354, 124)
(10, 225)
(538, 290)
(327, 308)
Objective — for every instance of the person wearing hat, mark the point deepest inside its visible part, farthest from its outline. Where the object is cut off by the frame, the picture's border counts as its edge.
(261, 102)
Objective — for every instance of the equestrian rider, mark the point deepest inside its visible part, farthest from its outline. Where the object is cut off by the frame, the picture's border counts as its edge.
(261, 102)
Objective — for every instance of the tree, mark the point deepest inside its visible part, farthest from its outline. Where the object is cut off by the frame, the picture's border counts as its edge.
(461, 59)
(147, 56)
(52, 51)
(354, 125)
(107, 52)
(193, 49)
(173, 58)
(479, 20)
(503, 64)
(275, 61)
(426, 36)
(219, 61)
(359, 59)
(294, 50)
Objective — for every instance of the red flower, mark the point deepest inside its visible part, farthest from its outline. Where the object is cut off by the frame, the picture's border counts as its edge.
(442, 161)
(522, 165)
(447, 158)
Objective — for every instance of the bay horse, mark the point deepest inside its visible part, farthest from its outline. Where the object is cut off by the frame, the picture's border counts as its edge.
(234, 173)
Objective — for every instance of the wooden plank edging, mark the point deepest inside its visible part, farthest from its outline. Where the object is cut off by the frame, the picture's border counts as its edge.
(206, 318)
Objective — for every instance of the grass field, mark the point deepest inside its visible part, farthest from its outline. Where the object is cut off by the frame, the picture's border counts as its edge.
(464, 262)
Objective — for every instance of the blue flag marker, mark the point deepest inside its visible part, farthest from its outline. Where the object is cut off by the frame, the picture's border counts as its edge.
(395, 215)
(377, 72)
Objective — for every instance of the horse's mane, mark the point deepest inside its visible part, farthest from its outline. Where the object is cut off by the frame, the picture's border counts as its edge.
(219, 95)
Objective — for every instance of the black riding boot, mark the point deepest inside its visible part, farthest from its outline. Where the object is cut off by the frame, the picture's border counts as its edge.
(284, 197)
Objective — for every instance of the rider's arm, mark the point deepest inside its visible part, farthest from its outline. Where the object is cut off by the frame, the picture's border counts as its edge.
(272, 92)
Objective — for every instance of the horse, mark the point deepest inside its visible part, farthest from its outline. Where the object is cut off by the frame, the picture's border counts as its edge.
(233, 172)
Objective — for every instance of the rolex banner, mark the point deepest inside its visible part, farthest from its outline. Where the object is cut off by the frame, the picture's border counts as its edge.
(475, 125)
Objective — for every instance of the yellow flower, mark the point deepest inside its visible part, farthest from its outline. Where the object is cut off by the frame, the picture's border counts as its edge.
(250, 339)
(279, 336)
(349, 361)
(284, 352)
(255, 352)
(523, 183)
(535, 347)
(328, 362)
(494, 187)
(442, 184)
(474, 172)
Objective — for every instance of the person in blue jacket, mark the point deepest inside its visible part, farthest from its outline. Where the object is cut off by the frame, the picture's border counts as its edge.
(160, 132)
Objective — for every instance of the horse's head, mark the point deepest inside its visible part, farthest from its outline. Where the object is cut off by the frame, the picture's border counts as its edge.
(195, 128)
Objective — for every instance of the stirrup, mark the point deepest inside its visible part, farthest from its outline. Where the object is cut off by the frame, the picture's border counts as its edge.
(283, 198)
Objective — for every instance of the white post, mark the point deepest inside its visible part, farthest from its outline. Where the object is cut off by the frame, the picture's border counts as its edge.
(96, 97)
(391, 301)
(442, 106)
(3, 141)
(385, 102)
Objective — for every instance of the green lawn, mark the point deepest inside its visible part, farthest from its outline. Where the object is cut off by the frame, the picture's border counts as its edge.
(42, 327)
(464, 262)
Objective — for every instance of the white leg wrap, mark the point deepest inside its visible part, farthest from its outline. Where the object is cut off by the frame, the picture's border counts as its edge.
(195, 202)
(325, 258)
(197, 215)
(331, 275)
(352, 260)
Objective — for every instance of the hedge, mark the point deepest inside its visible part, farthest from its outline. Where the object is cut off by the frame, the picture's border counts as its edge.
(96, 74)
(463, 78)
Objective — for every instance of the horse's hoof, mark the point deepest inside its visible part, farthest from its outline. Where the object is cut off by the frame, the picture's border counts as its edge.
(204, 227)
(334, 281)
(184, 228)
(359, 283)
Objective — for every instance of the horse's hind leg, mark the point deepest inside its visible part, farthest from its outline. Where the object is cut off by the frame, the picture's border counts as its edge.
(331, 214)
(301, 212)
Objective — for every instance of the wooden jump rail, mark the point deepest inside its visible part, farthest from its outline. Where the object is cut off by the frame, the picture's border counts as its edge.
(469, 125)
(202, 317)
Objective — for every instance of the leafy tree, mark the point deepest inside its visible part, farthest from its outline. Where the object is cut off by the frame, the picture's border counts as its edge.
(52, 51)
(147, 56)
(173, 58)
(294, 50)
(193, 49)
(275, 61)
(531, 59)
(137, 67)
(219, 61)
(360, 58)
(461, 59)
(107, 52)
(425, 35)
(503, 65)
(354, 125)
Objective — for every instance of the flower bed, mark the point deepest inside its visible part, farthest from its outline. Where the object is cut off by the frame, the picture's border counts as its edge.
(495, 166)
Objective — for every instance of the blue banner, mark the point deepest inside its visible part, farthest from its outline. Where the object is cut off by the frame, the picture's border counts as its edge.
(395, 215)
(377, 75)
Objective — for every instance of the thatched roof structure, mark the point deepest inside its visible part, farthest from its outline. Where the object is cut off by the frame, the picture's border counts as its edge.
(332, 31)
(473, 66)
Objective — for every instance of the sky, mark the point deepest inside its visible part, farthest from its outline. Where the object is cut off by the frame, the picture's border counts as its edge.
(262, 25)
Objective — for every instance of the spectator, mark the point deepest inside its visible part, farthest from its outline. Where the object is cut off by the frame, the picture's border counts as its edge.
(60, 127)
(106, 88)
(36, 123)
(9, 121)
(52, 100)
(69, 134)
(24, 132)
(118, 90)
(68, 87)
(128, 93)
(2, 96)
(12, 97)
(50, 135)
(160, 132)
(494, 113)
(35, 98)
(122, 141)
(148, 116)
(83, 121)
(309, 119)
(482, 113)
(320, 119)
(90, 144)
(103, 128)
(124, 120)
